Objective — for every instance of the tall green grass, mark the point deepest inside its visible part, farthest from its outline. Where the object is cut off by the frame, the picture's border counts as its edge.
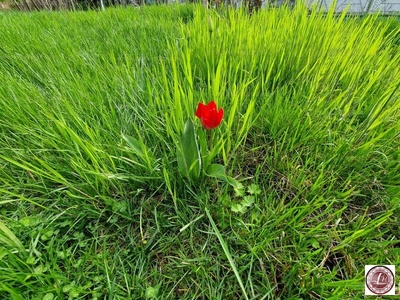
(312, 109)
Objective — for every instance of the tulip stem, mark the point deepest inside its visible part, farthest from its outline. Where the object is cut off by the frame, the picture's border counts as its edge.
(211, 140)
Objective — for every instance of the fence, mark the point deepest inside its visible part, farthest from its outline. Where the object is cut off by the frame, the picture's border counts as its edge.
(361, 6)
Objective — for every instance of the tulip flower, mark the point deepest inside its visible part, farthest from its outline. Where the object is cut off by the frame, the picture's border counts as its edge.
(193, 155)
(209, 116)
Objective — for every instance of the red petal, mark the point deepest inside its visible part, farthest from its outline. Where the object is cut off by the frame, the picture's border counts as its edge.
(212, 106)
(208, 115)
(220, 115)
(201, 108)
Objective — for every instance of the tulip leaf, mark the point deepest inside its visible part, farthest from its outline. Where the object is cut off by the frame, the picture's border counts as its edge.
(188, 153)
(218, 171)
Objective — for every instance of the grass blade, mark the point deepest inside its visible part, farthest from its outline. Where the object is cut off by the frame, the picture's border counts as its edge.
(227, 253)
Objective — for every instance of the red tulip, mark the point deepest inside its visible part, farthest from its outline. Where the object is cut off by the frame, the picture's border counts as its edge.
(209, 116)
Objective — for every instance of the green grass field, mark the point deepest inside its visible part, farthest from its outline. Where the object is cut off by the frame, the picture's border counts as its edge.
(311, 133)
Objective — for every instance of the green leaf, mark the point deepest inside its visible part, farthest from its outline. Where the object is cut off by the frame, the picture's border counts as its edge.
(315, 244)
(48, 296)
(135, 145)
(188, 154)
(119, 206)
(152, 292)
(141, 150)
(239, 190)
(255, 216)
(8, 238)
(248, 201)
(68, 287)
(218, 171)
(30, 260)
(238, 208)
(40, 269)
(46, 234)
(253, 189)
(30, 221)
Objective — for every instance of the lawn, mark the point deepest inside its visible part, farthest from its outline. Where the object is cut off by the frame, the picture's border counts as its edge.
(95, 203)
